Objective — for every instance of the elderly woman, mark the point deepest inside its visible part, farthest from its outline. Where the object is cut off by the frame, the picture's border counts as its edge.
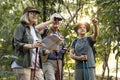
(27, 41)
(81, 51)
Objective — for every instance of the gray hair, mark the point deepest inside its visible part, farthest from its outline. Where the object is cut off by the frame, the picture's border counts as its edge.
(24, 18)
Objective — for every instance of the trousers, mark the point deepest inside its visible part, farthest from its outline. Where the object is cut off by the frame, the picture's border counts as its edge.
(50, 69)
(27, 74)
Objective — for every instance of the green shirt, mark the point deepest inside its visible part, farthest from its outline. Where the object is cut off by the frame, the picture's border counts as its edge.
(23, 36)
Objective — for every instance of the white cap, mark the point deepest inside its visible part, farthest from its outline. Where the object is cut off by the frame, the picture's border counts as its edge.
(55, 15)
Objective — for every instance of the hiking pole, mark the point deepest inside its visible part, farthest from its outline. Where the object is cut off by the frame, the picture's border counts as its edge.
(62, 69)
(84, 71)
(85, 66)
(87, 70)
(58, 69)
(35, 64)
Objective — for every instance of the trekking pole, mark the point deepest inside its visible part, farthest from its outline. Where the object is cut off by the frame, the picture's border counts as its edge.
(84, 71)
(58, 69)
(87, 70)
(84, 68)
(35, 64)
(62, 69)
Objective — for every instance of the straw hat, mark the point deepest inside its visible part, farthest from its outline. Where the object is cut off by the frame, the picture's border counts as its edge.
(86, 24)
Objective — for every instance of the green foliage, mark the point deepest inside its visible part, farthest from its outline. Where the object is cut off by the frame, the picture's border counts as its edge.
(108, 14)
(6, 75)
(10, 13)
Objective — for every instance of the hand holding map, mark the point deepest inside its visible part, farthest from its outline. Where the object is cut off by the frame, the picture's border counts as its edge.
(51, 42)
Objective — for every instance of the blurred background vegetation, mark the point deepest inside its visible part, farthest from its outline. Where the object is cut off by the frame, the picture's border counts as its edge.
(107, 46)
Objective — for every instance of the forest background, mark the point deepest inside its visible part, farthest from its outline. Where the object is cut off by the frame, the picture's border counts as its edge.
(72, 11)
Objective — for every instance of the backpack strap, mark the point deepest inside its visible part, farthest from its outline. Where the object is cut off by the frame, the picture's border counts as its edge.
(92, 46)
(45, 32)
(74, 42)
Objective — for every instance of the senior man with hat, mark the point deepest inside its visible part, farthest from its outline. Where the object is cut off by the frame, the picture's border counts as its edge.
(27, 44)
(52, 62)
(81, 51)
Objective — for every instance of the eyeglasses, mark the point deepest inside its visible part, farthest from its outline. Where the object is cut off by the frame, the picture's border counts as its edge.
(33, 13)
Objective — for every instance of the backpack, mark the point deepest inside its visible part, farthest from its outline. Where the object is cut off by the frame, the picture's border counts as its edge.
(13, 47)
(92, 46)
(45, 33)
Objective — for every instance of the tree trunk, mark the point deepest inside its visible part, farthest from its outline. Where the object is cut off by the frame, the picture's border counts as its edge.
(44, 10)
(105, 65)
(116, 68)
(108, 75)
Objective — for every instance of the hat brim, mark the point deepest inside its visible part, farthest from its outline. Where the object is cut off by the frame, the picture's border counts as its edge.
(34, 11)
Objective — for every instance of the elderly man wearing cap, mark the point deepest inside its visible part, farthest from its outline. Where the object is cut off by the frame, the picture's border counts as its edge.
(27, 40)
(81, 51)
(52, 63)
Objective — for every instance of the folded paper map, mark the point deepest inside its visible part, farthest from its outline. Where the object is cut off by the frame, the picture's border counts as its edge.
(51, 42)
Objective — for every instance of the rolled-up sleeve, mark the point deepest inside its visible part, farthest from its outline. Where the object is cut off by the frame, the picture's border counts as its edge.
(18, 37)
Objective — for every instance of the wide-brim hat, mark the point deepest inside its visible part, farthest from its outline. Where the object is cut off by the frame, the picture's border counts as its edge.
(86, 24)
(30, 9)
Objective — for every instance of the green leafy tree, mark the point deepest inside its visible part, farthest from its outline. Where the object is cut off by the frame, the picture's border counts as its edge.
(71, 11)
(108, 14)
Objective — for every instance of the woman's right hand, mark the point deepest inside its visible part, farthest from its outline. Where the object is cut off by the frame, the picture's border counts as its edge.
(38, 43)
